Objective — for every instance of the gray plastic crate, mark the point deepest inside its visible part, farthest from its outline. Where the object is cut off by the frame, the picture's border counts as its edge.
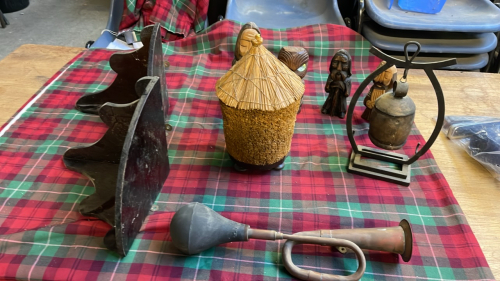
(431, 41)
(456, 15)
(284, 13)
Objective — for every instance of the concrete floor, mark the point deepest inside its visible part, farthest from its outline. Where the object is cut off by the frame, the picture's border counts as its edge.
(54, 22)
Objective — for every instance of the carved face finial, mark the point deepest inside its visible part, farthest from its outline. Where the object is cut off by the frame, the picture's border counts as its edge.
(244, 40)
(295, 58)
(341, 61)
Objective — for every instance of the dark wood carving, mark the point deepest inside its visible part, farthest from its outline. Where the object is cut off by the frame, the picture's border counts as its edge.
(296, 58)
(127, 166)
(338, 85)
(130, 67)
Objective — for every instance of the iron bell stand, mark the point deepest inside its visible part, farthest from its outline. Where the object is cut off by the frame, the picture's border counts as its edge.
(402, 175)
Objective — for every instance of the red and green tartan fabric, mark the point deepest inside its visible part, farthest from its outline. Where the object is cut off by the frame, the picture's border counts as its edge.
(177, 18)
(43, 236)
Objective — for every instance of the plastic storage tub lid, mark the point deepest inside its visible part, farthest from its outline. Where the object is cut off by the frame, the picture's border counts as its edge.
(284, 13)
(456, 15)
(431, 41)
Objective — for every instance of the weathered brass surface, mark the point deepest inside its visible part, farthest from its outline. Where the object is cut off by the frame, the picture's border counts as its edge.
(392, 118)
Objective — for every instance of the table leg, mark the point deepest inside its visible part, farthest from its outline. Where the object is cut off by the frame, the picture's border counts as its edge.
(3, 20)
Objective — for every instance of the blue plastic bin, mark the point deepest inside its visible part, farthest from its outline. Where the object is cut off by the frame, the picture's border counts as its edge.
(421, 6)
(457, 15)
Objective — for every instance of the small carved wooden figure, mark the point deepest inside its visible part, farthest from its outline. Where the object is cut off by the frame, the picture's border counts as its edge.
(295, 58)
(244, 40)
(338, 85)
(381, 85)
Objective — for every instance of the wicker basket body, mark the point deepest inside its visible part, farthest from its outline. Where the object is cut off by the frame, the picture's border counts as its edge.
(259, 137)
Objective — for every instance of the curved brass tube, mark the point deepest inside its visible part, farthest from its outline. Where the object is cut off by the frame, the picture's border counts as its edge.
(305, 274)
(397, 239)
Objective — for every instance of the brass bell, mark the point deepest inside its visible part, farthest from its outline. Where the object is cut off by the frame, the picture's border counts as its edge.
(392, 118)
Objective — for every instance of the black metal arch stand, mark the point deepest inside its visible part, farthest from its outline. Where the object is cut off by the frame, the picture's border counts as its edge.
(356, 165)
(127, 166)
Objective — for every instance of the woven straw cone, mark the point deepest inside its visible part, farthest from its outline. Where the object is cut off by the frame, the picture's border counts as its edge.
(259, 81)
(259, 99)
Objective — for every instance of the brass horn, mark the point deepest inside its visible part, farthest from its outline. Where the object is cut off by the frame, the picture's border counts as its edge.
(397, 239)
(195, 228)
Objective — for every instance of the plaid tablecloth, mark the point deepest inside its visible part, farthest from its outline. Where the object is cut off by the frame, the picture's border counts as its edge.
(177, 18)
(42, 235)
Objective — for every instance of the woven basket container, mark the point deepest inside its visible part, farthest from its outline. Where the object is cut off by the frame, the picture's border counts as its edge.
(259, 137)
(259, 98)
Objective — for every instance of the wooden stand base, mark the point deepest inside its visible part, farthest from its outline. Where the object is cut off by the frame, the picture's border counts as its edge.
(360, 166)
(242, 167)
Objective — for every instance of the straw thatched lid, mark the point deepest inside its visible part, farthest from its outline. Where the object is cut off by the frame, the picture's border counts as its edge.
(259, 81)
